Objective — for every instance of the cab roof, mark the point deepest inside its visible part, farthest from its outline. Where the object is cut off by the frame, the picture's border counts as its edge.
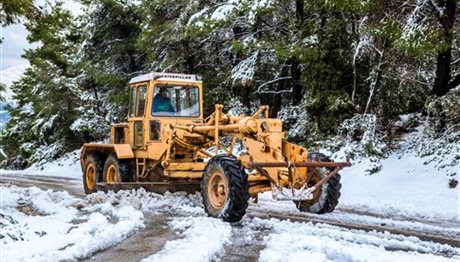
(165, 76)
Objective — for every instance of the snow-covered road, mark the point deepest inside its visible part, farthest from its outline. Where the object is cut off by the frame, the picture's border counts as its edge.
(54, 221)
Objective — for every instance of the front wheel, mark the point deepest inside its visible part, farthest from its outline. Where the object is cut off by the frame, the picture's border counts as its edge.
(325, 197)
(224, 188)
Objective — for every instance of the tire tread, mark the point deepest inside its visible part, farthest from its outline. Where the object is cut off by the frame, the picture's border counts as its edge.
(237, 203)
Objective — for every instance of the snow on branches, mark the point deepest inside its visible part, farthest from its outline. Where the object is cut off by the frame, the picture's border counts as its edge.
(244, 71)
(359, 137)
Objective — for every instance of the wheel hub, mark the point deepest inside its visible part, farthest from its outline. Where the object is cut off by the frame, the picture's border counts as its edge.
(218, 190)
(90, 176)
(111, 175)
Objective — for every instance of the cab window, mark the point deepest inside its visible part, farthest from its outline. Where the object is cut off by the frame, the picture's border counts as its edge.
(176, 100)
(137, 101)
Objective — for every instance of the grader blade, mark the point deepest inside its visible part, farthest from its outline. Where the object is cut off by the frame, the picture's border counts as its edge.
(305, 193)
(156, 187)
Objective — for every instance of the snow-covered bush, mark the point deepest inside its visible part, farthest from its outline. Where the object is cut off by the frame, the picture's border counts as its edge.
(443, 148)
(297, 125)
(244, 71)
(91, 125)
(45, 153)
(358, 137)
(363, 130)
(444, 112)
(236, 107)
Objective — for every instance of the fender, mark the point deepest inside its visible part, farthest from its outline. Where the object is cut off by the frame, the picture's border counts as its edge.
(122, 151)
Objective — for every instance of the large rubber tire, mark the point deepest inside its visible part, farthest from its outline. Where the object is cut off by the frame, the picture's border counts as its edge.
(329, 192)
(116, 171)
(92, 172)
(229, 172)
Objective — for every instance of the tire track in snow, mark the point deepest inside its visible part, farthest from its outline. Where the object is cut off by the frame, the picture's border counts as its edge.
(146, 241)
(294, 241)
(72, 186)
(246, 244)
(201, 239)
(401, 218)
(425, 236)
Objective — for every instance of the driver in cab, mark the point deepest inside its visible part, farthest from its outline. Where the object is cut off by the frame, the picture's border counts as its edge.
(161, 102)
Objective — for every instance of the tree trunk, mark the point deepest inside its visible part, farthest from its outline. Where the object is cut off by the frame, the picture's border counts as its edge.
(246, 93)
(297, 88)
(276, 107)
(446, 18)
(299, 11)
(441, 82)
(190, 64)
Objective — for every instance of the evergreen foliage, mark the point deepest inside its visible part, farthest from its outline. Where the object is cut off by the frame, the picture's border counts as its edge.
(45, 95)
(316, 64)
(12, 10)
(2, 89)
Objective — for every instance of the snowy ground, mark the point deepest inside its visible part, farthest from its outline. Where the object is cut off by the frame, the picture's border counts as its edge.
(67, 166)
(54, 226)
(42, 225)
(404, 187)
(407, 193)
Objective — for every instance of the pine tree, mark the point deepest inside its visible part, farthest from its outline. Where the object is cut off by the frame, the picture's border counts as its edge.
(109, 59)
(2, 89)
(12, 10)
(46, 95)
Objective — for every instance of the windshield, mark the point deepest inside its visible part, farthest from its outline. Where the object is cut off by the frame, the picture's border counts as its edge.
(176, 100)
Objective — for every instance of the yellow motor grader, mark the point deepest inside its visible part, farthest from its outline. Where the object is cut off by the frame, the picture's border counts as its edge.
(168, 145)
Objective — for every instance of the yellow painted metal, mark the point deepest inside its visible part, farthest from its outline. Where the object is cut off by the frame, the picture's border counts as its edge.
(254, 178)
(155, 150)
(187, 166)
(295, 153)
(87, 149)
(183, 174)
(111, 175)
(261, 152)
(259, 189)
(123, 151)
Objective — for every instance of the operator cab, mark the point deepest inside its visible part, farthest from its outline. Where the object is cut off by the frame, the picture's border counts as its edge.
(176, 100)
(157, 99)
(166, 95)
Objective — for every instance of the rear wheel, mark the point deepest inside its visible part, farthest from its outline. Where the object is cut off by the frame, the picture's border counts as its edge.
(224, 188)
(92, 172)
(116, 171)
(325, 197)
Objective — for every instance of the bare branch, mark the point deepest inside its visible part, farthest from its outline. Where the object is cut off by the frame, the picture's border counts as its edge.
(276, 92)
(439, 10)
(271, 82)
(455, 62)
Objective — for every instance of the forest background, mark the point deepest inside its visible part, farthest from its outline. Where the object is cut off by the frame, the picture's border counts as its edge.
(335, 71)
